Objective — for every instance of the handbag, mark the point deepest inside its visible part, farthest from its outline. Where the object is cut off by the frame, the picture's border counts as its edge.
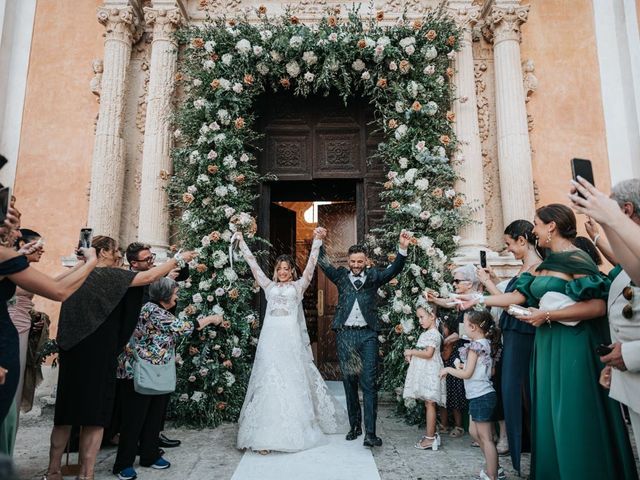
(151, 379)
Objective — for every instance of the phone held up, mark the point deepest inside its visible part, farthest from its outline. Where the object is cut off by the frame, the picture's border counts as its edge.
(483, 258)
(86, 235)
(603, 350)
(582, 168)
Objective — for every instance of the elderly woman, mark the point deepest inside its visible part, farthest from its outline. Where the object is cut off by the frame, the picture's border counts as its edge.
(153, 341)
(95, 324)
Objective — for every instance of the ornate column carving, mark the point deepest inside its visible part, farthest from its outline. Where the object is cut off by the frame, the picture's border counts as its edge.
(153, 226)
(465, 107)
(514, 149)
(107, 167)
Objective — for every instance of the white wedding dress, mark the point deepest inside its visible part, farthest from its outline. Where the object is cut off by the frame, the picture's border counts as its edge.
(287, 407)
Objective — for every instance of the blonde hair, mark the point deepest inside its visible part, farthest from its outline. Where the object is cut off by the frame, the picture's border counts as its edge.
(292, 265)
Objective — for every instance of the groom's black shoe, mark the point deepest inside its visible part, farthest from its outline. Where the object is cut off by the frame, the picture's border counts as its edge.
(354, 433)
(370, 440)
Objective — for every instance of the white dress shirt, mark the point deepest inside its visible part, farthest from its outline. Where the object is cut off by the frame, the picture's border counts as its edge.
(355, 318)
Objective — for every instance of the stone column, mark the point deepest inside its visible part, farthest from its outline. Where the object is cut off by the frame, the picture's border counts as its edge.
(107, 167)
(514, 150)
(465, 107)
(153, 218)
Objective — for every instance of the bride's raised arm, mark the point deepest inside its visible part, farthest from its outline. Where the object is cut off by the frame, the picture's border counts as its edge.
(256, 271)
(307, 275)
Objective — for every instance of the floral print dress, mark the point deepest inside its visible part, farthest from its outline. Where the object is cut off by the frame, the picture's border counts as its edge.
(154, 338)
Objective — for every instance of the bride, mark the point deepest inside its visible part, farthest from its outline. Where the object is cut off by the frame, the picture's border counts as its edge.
(287, 407)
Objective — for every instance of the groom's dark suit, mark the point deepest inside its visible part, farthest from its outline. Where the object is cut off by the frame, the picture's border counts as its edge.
(358, 346)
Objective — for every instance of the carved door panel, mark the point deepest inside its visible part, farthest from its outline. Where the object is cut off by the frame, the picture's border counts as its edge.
(340, 221)
(282, 230)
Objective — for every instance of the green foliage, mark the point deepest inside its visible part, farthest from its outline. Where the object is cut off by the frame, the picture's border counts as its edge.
(404, 71)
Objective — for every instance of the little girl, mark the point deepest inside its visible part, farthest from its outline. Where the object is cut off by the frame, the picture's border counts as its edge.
(476, 373)
(423, 381)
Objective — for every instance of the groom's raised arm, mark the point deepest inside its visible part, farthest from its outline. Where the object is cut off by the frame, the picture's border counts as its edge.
(396, 267)
(325, 265)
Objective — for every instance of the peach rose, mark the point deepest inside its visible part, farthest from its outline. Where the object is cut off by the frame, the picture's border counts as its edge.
(197, 42)
(226, 324)
(379, 15)
(227, 364)
(204, 3)
(450, 72)
(388, 185)
(215, 84)
(187, 197)
(179, 77)
(445, 140)
(221, 405)
(248, 79)
(398, 329)
(232, 23)
(431, 35)
(239, 178)
(285, 82)
(405, 66)
(451, 117)
(416, 106)
(382, 83)
(362, 44)
(437, 192)
(214, 236)
(294, 20)
(451, 40)
(458, 201)
(233, 293)
(239, 123)
(392, 123)
(417, 24)
(212, 169)
(395, 204)
(262, 10)
(201, 267)
(332, 21)
(215, 57)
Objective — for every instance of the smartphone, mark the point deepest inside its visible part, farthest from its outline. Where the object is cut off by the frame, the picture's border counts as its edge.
(518, 310)
(5, 198)
(483, 258)
(582, 168)
(603, 350)
(86, 235)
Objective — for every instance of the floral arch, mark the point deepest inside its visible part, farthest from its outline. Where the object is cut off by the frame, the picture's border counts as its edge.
(405, 71)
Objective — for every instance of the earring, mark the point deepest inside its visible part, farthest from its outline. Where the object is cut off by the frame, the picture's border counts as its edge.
(549, 237)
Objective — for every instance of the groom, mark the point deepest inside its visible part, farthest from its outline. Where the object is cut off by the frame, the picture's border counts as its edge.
(356, 326)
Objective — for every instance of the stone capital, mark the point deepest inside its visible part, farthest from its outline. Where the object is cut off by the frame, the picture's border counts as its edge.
(464, 14)
(504, 22)
(165, 21)
(120, 23)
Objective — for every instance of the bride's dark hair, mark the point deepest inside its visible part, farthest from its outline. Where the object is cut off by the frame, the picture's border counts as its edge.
(292, 265)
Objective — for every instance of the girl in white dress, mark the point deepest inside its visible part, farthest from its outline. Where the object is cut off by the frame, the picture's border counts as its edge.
(423, 380)
(287, 407)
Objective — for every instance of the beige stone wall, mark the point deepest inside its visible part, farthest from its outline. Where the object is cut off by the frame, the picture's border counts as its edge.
(566, 110)
(57, 130)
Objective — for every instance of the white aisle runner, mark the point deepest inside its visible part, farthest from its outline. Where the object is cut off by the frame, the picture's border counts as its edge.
(338, 460)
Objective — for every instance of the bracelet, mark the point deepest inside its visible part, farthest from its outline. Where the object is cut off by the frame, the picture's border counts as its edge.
(547, 317)
(179, 260)
(596, 238)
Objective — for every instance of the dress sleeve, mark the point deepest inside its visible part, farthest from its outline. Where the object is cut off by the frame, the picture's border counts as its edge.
(431, 339)
(589, 288)
(523, 285)
(303, 282)
(257, 272)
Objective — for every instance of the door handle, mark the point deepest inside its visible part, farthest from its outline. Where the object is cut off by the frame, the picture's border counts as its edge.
(320, 303)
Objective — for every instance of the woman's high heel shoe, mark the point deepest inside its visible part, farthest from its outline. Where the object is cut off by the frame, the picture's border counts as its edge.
(52, 475)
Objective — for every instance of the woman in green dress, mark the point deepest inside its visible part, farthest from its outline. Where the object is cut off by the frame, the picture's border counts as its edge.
(577, 430)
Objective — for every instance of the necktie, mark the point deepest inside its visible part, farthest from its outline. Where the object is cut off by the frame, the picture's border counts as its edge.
(357, 283)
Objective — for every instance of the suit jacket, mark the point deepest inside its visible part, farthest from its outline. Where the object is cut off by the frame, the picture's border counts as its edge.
(366, 295)
(625, 386)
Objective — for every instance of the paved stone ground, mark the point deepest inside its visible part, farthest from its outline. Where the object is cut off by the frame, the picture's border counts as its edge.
(210, 454)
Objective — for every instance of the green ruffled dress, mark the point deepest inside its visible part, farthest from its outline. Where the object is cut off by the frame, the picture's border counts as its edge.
(577, 430)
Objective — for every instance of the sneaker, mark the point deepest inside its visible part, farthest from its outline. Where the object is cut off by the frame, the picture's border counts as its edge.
(161, 464)
(501, 474)
(127, 474)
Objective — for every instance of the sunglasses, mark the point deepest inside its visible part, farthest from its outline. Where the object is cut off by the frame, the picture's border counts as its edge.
(149, 259)
(459, 280)
(627, 311)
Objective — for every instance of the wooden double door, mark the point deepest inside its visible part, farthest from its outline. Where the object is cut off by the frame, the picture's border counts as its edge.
(320, 151)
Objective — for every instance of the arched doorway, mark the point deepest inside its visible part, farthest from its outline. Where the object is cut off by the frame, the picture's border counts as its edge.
(322, 154)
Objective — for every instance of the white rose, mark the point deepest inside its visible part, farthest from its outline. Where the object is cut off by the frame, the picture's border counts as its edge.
(197, 82)
(310, 58)
(230, 274)
(393, 66)
(431, 108)
(406, 310)
(229, 162)
(295, 41)
(456, 239)
(236, 352)
(309, 77)
(435, 221)
(237, 87)
(405, 42)
(401, 131)
(410, 49)
(333, 37)
(206, 241)
(210, 298)
(199, 103)
(208, 65)
(229, 211)
(404, 162)
(197, 298)
(385, 318)
(219, 291)
(410, 175)
(203, 178)
(450, 193)
(366, 75)
(209, 46)
(262, 68)
(244, 158)
(384, 41)
(257, 50)
(422, 184)
(266, 35)
(227, 58)
(382, 293)
(440, 80)
(381, 338)
(243, 46)
(429, 70)
(293, 69)
(225, 84)
(451, 55)
(358, 65)
(431, 53)
(221, 191)
(275, 56)
(400, 106)
(192, 189)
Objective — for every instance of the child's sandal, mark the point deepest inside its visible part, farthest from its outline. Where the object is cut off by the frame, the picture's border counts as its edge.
(456, 432)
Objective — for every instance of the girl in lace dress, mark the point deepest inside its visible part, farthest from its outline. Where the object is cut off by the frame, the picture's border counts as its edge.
(287, 407)
(478, 357)
(423, 381)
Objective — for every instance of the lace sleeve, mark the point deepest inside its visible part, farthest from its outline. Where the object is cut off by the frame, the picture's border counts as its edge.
(257, 272)
(303, 283)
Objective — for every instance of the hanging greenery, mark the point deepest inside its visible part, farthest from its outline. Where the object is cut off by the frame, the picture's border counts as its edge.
(404, 70)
